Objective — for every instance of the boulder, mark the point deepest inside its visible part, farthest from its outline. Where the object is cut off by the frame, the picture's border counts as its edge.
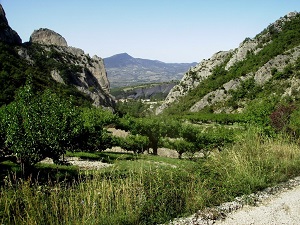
(46, 36)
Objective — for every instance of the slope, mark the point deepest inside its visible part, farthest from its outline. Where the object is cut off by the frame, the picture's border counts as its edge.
(230, 81)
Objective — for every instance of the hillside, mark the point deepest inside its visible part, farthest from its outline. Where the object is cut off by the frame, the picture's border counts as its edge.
(125, 70)
(48, 62)
(264, 66)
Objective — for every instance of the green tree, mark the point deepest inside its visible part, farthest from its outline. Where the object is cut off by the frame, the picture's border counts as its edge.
(180, 145)
(155, 128)
(136, 143)
(93, 135)
(36, 127)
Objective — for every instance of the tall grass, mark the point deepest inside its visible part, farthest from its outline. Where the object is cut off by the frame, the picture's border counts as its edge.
(147, 192)
(253, 163)
(146, 197)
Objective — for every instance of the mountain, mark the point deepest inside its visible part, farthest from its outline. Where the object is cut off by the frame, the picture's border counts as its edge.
(125, 70)
(49, 62)
(266, 67)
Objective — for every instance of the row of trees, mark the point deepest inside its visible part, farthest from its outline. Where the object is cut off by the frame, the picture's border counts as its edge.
(166, 132)
(36, 126)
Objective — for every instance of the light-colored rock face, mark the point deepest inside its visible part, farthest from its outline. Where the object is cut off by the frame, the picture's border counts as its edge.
(193, 78)
(6, 33)
(91, 80)
(205, 68)
(45, 36)
(279, 63)
(241, 52)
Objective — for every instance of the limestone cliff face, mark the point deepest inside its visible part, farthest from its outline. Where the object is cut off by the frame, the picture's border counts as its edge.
(193, 78)
(7, 34)
(47, 37)
(71, 66)
(90, 76)
(227, 60)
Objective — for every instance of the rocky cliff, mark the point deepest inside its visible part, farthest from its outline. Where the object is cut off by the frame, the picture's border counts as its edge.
(7, 34)
(258, 58)
(49, 53)
(90, 77)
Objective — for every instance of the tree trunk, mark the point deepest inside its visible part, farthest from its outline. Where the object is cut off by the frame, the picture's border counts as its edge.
(155, 147)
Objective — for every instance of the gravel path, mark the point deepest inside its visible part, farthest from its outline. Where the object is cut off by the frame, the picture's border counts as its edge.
(276, 205)
(281, 209)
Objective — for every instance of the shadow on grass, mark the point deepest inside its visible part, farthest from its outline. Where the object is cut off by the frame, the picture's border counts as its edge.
(106, 157)
(40, 173)
(52, 174)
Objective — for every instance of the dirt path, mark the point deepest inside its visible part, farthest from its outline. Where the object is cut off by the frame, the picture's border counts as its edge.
(278, 205)
(281, 209)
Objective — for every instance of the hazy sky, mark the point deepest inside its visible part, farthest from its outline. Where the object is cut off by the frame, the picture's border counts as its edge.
(166, 30)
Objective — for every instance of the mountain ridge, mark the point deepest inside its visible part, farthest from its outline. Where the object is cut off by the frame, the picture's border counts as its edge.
(217, 80)
(125, 70)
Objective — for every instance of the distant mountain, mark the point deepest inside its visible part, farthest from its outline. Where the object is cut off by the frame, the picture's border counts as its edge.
(125, 70)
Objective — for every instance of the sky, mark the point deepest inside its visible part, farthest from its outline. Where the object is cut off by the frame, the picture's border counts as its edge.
(173, 31)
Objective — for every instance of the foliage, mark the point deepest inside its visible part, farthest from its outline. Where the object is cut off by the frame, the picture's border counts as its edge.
(153, 190)
(38, 127)
(135, 108)
(180, 146)
(136, 143)
(280, 118)
(258, 113)
(155, 128)
(294, 123)
(219, 118)
(92, 135)
(15, 70)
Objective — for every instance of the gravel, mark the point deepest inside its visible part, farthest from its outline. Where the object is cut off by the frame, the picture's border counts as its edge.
(275, 205)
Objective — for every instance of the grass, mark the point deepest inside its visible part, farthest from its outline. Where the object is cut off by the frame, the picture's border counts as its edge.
(106, 157)
(151, 190)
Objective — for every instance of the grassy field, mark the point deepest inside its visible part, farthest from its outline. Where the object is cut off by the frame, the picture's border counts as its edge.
(146, 189)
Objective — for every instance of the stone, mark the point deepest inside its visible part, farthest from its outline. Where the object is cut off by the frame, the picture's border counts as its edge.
(46, 36)
(7, 34)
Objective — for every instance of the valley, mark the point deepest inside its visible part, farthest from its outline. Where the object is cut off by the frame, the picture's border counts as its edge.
(124, 140)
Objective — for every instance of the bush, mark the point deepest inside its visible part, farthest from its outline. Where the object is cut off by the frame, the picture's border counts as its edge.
(281, 116)
(136, 143)
(36, 127)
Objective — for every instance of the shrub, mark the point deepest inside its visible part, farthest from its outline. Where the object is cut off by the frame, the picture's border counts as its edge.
(281, 116)
(36, 127)
(136, 143)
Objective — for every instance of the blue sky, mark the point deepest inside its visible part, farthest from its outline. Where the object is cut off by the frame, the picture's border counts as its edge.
(165, 30)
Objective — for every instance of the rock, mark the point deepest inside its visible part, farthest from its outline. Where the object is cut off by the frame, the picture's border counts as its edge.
(56, 76)
(205, 68)
(7, 34)
(46, 36)
(279, 62)
(193, 77)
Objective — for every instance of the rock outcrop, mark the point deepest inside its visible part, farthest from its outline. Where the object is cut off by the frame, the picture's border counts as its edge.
(227, 60)
(64, 64)
(193, 78)
(45, 36)
(7, 34)
(90, 79)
